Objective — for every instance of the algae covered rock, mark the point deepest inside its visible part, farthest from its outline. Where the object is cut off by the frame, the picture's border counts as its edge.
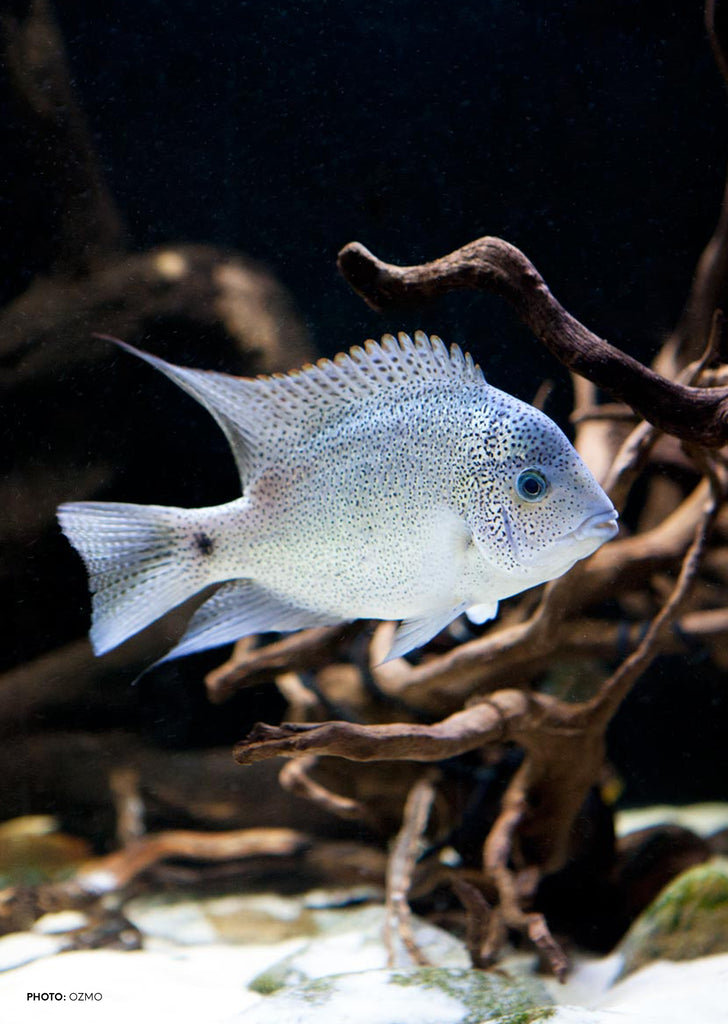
(353, 941)
(689, 919)
(426, 995)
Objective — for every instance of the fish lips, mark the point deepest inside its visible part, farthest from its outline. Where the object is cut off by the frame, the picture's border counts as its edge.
(600, 527)
(591, 534)
(594, 531)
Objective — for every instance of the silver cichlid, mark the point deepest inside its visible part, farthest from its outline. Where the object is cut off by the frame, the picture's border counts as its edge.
(389, 483)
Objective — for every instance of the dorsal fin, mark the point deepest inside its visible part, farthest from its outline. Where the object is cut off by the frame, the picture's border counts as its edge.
(225, 397)
(301, 397)
(257, 414)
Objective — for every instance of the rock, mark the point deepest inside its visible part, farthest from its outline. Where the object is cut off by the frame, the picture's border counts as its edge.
(703, 819)
(234, 919)
(647, 860)
(33, 851)
(237, 919)
(427, 995)
(354, 941)
(185, 986)
(689, 919)
(670, 993)
(61, 921)
(20, 948)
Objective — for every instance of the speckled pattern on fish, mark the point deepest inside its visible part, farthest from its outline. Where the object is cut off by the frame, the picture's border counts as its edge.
(392, 482)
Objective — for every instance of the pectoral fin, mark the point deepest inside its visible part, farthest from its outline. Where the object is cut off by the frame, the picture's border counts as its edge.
(414, 633)
(238, 609)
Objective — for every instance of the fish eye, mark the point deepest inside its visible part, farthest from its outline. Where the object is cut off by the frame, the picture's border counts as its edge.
(531, 485)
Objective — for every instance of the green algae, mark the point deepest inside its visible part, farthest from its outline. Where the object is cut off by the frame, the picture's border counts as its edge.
(688, 919)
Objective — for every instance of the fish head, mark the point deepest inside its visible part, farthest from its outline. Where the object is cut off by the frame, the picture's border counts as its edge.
(538, 509)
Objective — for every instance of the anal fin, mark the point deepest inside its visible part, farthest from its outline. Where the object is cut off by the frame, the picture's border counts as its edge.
(238, 609)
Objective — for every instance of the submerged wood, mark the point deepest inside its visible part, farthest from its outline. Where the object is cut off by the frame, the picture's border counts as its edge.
(564, 745)
(464, 705)
(699, 415)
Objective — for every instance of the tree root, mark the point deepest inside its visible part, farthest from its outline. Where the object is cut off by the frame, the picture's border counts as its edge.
(699, 415)
(400, 869)
(114, 873)
(564, 748)
(295, 778)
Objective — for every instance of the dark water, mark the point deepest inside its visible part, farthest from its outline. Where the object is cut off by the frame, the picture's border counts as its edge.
(592, 135)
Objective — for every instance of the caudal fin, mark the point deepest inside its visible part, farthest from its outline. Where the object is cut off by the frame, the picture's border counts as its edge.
(138, 561)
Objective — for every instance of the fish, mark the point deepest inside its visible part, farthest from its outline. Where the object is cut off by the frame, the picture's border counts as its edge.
(391, 482)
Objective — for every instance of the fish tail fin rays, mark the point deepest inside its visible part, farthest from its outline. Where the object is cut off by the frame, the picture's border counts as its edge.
(139, 561)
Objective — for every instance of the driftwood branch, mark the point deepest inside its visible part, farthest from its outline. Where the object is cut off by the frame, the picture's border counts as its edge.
(114, 873)
(292, 653)
(496, 856)
(610, 696)
(400, 869)
(295, 778)
(463, 731)
(563, 743)
(699, 415)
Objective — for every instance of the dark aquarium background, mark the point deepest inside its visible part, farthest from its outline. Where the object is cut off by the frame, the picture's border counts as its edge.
(593, 136)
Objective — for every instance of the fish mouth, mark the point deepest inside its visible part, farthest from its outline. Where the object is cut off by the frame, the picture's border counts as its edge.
(589, 535)
(602, 526)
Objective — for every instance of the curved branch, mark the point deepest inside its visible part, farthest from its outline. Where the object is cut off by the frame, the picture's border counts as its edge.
(699, 415)
(116, 870)
(463, 731)
(293, 652)
(295, 778)
(604, 705)
(497, 853)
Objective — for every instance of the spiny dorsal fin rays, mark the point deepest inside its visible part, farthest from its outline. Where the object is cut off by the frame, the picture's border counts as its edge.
(259, 415)
(364, 371)
(402, 360)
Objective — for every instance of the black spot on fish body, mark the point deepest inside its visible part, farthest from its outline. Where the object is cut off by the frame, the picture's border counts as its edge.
(204, 544)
